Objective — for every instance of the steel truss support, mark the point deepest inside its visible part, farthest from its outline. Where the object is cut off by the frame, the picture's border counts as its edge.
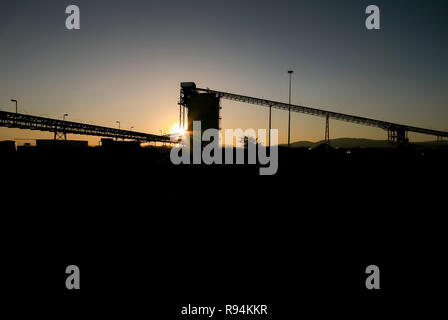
(396, 132)
(441, 140)
(59, 133)
(397, 137)
(61, 128)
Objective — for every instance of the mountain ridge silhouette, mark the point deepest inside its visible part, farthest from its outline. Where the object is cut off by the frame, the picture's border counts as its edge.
(351, 143)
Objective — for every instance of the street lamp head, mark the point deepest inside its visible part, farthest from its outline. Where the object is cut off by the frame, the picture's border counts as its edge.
(290, 71)
(14, 100)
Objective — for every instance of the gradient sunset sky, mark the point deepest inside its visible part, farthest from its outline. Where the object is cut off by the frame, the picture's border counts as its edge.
(128, 58)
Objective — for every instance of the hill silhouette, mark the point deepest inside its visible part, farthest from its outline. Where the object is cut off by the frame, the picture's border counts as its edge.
(351, 143)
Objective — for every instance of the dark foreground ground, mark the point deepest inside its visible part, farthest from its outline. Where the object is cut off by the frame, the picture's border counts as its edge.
(151, 237)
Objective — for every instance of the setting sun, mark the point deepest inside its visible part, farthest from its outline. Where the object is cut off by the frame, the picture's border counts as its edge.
(176, 129)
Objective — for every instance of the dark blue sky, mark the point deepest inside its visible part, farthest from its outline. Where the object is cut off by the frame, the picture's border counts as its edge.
(126, 61)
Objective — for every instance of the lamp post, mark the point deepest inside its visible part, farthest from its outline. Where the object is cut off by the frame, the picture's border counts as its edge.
(161, 134)
(289, 109)
(119, 126)
(270, 111)
(14, 100)
(65, 115)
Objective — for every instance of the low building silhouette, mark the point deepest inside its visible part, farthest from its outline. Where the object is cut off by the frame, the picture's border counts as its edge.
(7, 146)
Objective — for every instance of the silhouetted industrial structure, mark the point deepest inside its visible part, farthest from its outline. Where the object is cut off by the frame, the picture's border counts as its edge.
(204, 105)
(397, 133)
(60, 128)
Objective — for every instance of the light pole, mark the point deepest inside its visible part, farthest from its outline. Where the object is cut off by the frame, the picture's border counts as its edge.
(270, 110)
(14, 100)
(116, 138)
(161, 134)
(65, 115)
(289, 109)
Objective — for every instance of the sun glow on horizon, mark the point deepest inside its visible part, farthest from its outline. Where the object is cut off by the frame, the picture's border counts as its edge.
(176, 129)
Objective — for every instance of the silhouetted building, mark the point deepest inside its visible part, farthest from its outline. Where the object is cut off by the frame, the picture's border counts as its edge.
(117, 145)
(204, 107)
(26, 147)
(7, 146)
(49, 145)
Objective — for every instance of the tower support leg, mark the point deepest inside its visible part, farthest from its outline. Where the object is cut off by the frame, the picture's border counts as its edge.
(397, 137)
(60, 134)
